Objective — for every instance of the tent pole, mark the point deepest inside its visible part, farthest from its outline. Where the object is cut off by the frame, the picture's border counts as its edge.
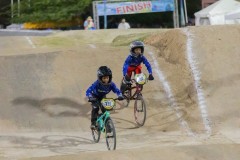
(176, 14)
(185, 9)
(12, 8)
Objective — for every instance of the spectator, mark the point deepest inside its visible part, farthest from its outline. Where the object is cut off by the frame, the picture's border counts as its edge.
(123, 24)
(88, 24)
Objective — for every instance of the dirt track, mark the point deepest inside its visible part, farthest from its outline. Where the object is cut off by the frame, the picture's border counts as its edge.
(193, 105)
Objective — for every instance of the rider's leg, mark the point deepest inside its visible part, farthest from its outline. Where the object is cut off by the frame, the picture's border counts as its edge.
(124, 83)
(138, 69)
(94, 115)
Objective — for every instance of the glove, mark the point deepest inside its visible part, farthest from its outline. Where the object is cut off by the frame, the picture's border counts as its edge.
(150, 77)
(120, 98)
(92, 99)
(127, 78)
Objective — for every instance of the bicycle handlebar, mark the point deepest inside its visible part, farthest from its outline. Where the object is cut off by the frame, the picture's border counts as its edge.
(93, 99)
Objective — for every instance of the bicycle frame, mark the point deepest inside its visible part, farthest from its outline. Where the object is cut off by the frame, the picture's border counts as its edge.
(102, 120)
(138, 88)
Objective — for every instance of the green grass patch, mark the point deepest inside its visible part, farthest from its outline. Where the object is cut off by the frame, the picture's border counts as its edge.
(55, 42)
(127, 39)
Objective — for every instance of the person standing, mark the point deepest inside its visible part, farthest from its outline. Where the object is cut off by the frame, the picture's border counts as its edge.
(88, 24)
(124, 25)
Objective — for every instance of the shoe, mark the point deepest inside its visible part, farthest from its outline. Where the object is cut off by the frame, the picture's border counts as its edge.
(128, 82)
(93, 126)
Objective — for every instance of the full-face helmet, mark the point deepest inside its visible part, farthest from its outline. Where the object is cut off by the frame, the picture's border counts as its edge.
(104, 71)
(136, 44)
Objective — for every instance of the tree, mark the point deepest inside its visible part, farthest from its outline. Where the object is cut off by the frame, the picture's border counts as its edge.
(49, 10)
(59, 11)
(4, 12)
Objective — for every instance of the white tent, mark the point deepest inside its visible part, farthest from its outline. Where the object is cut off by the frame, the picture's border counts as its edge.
(233, 17)
(215, 13)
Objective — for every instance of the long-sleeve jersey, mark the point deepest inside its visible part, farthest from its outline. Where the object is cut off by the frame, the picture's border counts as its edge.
(99, 90)
(136, 61)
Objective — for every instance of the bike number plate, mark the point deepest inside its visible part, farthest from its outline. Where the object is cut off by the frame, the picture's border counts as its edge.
(140, 78)
(108, 103)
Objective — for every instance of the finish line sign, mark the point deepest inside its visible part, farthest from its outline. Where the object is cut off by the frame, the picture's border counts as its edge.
(135, 7)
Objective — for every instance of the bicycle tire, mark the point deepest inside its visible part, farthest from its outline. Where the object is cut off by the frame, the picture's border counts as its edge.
(140, 111)
(110, 134)
(96, 133)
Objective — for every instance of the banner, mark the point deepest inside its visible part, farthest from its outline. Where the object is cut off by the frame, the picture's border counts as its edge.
(135, 7)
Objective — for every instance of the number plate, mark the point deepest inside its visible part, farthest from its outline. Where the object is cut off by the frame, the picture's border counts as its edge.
(140, 78)
(108, 103)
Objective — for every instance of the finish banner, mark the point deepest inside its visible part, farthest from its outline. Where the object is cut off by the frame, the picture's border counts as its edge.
(135, 7)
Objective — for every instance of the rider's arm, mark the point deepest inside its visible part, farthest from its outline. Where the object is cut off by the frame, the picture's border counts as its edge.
(91, 89)
(115, 89)
(147, 64)
(126, 65)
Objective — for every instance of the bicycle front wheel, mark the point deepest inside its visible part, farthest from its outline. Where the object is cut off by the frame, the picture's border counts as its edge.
(110, 134)
(140, 110)
(96, 133)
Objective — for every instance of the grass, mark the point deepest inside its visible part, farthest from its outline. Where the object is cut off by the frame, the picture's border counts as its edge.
(123, 40)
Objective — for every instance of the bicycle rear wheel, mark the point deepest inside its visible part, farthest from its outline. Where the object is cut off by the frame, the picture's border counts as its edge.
(140, 110)
(96, 133)
(110, 134)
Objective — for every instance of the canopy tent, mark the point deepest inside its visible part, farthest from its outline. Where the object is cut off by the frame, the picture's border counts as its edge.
(233, 17)
(215, 13)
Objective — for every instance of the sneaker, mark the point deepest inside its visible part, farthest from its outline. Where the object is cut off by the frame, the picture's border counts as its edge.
(128, 82)
(93, 126)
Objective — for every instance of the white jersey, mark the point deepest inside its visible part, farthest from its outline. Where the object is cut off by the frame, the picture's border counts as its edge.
(123, 26)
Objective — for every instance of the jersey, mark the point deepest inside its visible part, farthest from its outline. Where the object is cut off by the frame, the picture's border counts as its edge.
(136, 61)
(99, 90)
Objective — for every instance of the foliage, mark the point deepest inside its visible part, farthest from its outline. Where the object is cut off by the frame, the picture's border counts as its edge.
(49, 10)
(72, 11)
(4, 12)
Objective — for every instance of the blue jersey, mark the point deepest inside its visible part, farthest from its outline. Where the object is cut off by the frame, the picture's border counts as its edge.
(136, 61)
(99, 90)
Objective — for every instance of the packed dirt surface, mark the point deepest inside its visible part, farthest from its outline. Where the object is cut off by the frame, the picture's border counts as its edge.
(192, 104)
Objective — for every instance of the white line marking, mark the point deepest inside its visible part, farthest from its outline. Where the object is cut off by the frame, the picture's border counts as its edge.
(167, 88)
(92, 45)
(197, 78)
(30, 42)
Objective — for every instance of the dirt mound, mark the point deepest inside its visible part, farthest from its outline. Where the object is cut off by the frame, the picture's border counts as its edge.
(198, 62)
